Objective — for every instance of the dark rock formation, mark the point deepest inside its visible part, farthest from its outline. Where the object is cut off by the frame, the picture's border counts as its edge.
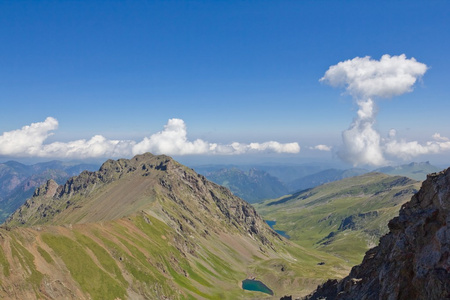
(351, 221)
(413, 260)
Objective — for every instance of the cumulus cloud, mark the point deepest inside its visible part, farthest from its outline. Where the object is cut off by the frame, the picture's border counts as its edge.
(406, 150)
(361, 141)
(321, 148)
(29, 141)
(366, 79)
(438, 137)
(172, 140)
(97, 146)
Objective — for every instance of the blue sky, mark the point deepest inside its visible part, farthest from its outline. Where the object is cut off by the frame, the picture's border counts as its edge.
(232, 71)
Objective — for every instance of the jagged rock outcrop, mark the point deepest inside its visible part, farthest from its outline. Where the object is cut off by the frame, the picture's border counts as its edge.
(19, 181)
(48, 189)
(413, 260)
(351, 221)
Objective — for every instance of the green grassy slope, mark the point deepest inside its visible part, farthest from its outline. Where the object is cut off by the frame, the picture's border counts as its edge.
(142, 255)
(343, 218)
(417, 171)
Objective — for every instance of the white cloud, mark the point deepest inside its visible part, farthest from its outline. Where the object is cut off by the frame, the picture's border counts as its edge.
(406, 150)
(438, 137)
(273, 146)
(29, 141)
(361, 140)
(364, 79)
(172, 140)
(97, 146)
(321, 147)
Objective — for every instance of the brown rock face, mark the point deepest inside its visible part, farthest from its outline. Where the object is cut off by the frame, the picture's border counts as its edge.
(48, 189)
(413, 260)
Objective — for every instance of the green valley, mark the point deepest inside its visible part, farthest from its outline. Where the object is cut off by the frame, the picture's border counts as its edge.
(343, 218)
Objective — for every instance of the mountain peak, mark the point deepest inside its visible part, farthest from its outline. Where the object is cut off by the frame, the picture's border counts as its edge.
(124, 187)
(61, 203)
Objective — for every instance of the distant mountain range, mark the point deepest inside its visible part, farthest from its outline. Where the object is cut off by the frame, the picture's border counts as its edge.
(325, 176)
(253, 185)
(18, 181)
(260, 182)
(285, 173)
(417, 171)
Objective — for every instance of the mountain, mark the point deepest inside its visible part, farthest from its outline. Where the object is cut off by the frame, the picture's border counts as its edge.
(252, 186)
(343, 218)
(285, 173)
(322, 177)
(412, 260)
(417, 171)
(288, 173)
(257, 183)
(148, 228)
(18, 181)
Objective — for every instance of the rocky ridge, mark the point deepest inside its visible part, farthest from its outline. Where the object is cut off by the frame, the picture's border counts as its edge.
(52, 203)
(413, 260)
(18, 181)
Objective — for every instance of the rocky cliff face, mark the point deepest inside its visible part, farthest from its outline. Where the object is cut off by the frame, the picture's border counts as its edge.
(413, 260)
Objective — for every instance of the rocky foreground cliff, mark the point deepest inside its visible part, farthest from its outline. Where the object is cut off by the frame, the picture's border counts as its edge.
(413, 260)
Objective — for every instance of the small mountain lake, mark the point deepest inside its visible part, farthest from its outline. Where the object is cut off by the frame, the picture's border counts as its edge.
(280, 232)
(255, 285)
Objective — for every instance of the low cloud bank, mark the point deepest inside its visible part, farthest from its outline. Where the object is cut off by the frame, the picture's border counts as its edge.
(29, 141)
(406, 150)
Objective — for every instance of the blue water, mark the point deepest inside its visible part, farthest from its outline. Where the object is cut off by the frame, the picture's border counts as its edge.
(280, 232)
(256, 285)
